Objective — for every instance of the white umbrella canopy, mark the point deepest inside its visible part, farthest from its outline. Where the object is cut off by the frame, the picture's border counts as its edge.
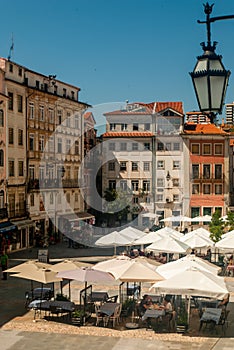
(132, 232)
(197, 241)
(193, 282)
(135, 271)
(28, 266)
(226, 243)
(42, 275)
(174, 267)
(67, 264)
(206, 218)
(156, 235)
(201, 231)
(150, 215)
(169, 245)
(114, 239)
(228, 234)
(86, 275)
(179, 218)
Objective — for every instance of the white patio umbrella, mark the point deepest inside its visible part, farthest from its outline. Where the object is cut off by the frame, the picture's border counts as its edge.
(197, 241)
(156, 235)
(132, 232)
(204, 218)
(169, 245)
(201, 231)
(174, 267)
(193, 282)
(179, 218)
(114, 239)
(42, 275)
(228, 234)
(226, 243)
(150, 215)
(28, 266)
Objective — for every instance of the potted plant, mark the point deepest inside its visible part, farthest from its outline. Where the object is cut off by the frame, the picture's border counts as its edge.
(128, 307)
(61, 297)
(182, 319)
(78, 317)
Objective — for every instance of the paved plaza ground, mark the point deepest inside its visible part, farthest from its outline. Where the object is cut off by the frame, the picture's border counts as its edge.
(17, 324)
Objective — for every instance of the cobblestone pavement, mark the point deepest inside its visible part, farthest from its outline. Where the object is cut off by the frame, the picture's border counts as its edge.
(12, 305)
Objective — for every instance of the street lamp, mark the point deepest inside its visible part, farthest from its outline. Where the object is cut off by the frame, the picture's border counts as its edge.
(210, 78)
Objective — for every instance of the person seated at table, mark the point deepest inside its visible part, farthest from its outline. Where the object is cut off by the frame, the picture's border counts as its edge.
(170, 313)
(146, 303)
(223, 303)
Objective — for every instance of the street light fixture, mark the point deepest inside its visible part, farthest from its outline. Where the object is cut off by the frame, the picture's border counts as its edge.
(210, 78)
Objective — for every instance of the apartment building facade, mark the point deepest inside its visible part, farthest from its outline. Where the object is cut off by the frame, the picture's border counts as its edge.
(44, 138)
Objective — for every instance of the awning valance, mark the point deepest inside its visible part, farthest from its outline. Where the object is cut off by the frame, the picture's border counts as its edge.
(24, 224)
(77, 216)
(6, 226)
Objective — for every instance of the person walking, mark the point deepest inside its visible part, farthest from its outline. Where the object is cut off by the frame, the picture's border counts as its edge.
(4, 265)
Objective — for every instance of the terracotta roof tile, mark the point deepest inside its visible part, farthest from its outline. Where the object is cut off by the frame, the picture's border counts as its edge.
(127, 134)
(208, 129)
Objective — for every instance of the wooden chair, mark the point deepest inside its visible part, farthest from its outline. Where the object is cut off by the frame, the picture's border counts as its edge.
(115, 317)
(99, 316)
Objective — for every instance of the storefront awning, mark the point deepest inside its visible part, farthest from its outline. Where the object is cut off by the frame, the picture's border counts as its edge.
(7, 226)
(77, 216)
(24, 224)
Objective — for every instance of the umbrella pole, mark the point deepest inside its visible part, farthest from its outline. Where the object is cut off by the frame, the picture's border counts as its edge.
(189, 305)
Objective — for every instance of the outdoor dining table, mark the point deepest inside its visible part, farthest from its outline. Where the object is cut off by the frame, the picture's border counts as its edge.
(67, 306)
(210, 315)
(153, 313)
(99, 296)
(108, 308)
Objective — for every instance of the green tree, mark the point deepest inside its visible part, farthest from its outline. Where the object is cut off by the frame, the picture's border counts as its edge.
(229, 222)
(216, 226)
(117, 204)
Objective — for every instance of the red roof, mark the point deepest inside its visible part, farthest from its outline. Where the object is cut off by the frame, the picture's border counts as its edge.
(128, 134)
(207, 129)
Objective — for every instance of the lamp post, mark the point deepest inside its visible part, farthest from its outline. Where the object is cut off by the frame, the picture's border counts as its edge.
(210, 78)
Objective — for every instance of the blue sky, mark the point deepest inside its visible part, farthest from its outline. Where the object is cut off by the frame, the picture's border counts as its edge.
(117, 50)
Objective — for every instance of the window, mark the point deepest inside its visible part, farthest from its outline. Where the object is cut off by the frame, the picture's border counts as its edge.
(11, 168)
(76, 121)
(160, 182)
(31, 110)
(51, 144)
(20, 137)
(207, 211)
(160, 146)
(31, 142)
(135, 146)
(11, 67)
(195, 189)
(76, 197)
(146, 185)
(1, 157)
(135, 200)
(76, 147)
(64, 92)
(147, 127)
(31, 172)
(135, 127)
(176, 182)
(134, 166)
(123, 185)
(218, 189)
(206, 149)
(68, 197)
(195, 148)
(10, 101)
(68, 146)
(21, 168)
(20, 72)
(11, 136)
(195, 171)
(1, 117)
(218, 171)
(160, 164)
(112, 184)
(123, 146)
(59, 117)
(218, 149)
(41, 143)
(32, 202)
(159, 198)
(59, 145)
(20, 103)
(111, 146)
(111, 166)
(206, 171)
(41, 113)
(206, 189)
(68, 120)
(123, 166)
(146, 146)
(51, 198)
(176, 198)
(51, 115)
(124, 127)
(176, 164)
(176, 146)
(73, 95)
(41, 172)
(168, 146)
(195, 211)
(135, 185)
(112, 126)
(146, 166)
